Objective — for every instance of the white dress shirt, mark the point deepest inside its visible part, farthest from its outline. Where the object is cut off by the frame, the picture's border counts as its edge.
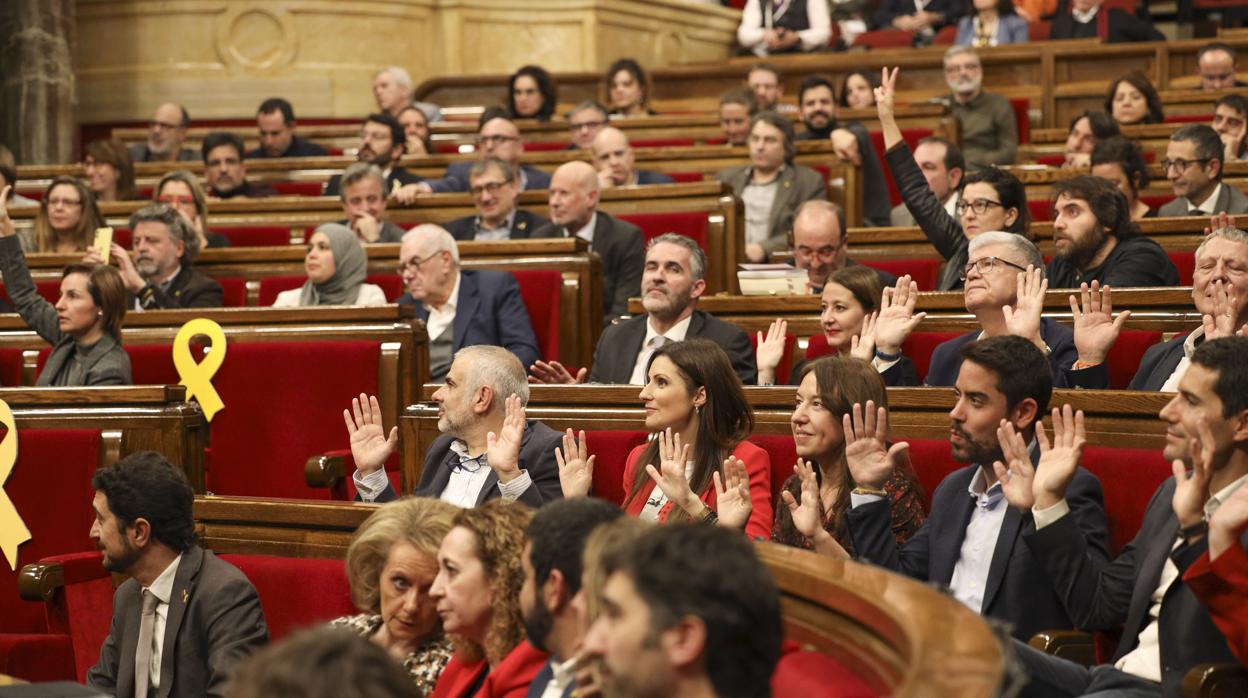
(1208, 205)
(444, 317)
(970, 573)
(1085, 16)
(1189, 346)
(648, 345)
(586, 233)
(563, 677)
(162, 589)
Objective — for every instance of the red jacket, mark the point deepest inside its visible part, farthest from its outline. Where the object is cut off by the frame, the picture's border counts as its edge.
(1222, 586)
(757, 465)
(510, 679)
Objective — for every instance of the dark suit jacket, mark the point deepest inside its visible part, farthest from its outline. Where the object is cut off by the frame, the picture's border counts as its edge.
(190, 289)
(619, 244)
(537, 455)
(892, 9)
(522, 226)
(620, 344)
(1135, 261)
(947, 357)
(456, 178)
(1017, 590)
(397, 174)
(538, 687)
(489, 311)
(246, 190)
(1100, 595)
(649, 177)
(1230, 199)
(1122, 26)
(215, 621)
(796, 185)
(299, 148)
(140, 153)
(942, 229)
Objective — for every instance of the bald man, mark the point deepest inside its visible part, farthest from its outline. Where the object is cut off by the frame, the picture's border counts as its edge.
(166, 132)
(613, 158)
(574, 213)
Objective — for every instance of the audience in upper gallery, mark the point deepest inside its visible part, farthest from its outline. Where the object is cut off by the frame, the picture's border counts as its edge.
(769, 27)
(392, 89)
(719, 637)
(1086, 130)
(66, 221)
(1165, 629)
(391, 563)
(767, 84)
(1219, 293)
(1218, 578)
(830, 388)
(382, 143)
(985, 119)
(851, 142)
(1230, 120)
(166, 132)
(614, 159)
(180, 189)
(1194, 165)
(552, 598)
(858, 90)
(628, 89)
(1216, 64)
(860, 317)
(336, 267)
(497, 136)
(1132, 99)
(321, 662)
(821, 243)
(696, 407)
(772, 186)
(1088, 20)
(532, 94)
(991, 199)
(275, 120)
(416, 130)
(1120, 161)
(110, 172)
(84, 328)
(225, 170)
(483, 396)
(363, 199)
(494, 187)
(736, 108)
(160, 275)
(574, 213)
(991, 23)
(8, 178)
(943, 167)
(461, 307)
(1095, 239)
(922, 20)
(674, 280)
(477, 591)
(584, 122)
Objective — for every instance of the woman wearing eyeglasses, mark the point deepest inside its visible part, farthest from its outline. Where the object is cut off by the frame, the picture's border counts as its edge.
(66, 221)
(180, 189)
(336, 266)
(991, 198)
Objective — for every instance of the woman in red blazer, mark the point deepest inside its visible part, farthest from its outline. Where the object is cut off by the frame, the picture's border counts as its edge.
(695, 404)
(1219, 578)
(477, 591)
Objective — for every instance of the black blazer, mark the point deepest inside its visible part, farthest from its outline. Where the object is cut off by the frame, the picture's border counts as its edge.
(620, 344)
(947, 357)
(299, 148)
(522, 226)
(456, 178)
(397, 174)
(1122, 27)
(942, 229)
(1018, 590)
(189, 289)
(619, 244)
(1101, 595)
(537, 455)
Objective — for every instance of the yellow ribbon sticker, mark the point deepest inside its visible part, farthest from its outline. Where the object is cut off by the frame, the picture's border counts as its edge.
(197, 377)
(12, 531)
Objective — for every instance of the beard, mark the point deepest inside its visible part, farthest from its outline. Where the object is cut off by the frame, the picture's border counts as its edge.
(966, 87)
(668, 306)
(123, 562)
(973, 451)
(538, 624)
(1084, 248)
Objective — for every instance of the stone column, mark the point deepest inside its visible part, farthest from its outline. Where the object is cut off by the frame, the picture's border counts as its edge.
(37, 69)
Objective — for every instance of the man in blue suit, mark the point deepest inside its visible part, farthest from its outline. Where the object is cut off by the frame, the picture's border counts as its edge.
(497, 137)
(461, 307)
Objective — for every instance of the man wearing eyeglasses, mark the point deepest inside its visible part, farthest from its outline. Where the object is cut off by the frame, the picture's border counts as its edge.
(165, 135)
(989, 129)
(1193, 165)
(494, 188)
(584, 122)
(821, 244)
(497, 137)
(382, 143)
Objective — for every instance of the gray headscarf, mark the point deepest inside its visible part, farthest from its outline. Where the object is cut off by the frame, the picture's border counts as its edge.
(350, 268)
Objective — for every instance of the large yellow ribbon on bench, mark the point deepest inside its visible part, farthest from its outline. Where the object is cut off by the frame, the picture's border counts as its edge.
(197, 377)
(12, 531)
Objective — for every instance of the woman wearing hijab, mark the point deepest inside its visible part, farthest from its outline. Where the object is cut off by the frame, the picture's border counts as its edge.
(336, 267)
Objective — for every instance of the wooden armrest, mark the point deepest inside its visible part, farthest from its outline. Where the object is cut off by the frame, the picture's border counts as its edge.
(1215, 681)
(1074, 645)
(39, 581)
(324, 471)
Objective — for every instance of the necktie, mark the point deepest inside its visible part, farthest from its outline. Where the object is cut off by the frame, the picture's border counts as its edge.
(143, 653)
(1196, 212)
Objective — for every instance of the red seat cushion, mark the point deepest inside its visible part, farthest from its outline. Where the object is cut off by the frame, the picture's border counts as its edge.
(1185, 262)
(391, 285)
(661, 142)
(37, 658)
(50, 290)
(1124, 357)
(1156, 201)
(923, 272)
(1041, 210)
(270, 286)
(298, 188)
(783, 455)
(542, 292)
(84, 610)
(911, 136)
(610, 449)
(817, 675)
(683, 177)
(1022, 120)
(920, 345)
(932, 460)
(296, 592)
(234, 292)
(11, 367)
(884, 38)
(1129, 477)
(255, 235)
(817, 346)
(691, 224)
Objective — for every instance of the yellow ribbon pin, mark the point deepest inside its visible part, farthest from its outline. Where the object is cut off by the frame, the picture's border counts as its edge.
(197, 377)
(12, 531)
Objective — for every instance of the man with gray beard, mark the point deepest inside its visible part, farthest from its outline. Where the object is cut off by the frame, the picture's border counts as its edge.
(160, 275)
(989, 131)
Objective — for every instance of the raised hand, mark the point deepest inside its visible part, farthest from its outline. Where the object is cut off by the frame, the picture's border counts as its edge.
(1220, 220)
(670, 475)
(503, 450)
(897, 318)
(553, 373)
(1017, 473)
(1191, 491)
(1023, 318)
(6, 224)
(576, 466)
(732, 494)
(370, 446)
(1228, 523)
(1221, 322)
(862, 345)
(807, 518)
(885, 95)
(770, 351)
(1096, 327)
(1058, 461)
(870, 463)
